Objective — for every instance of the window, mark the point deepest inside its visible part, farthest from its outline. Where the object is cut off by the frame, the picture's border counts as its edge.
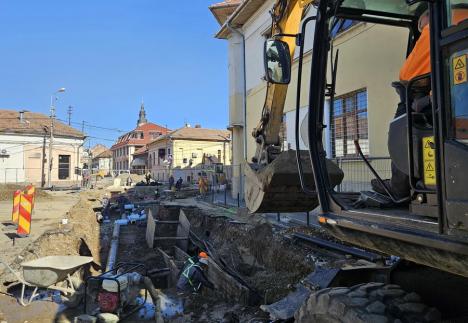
(459, 94)
(64, 167)
(349, 122)
(399, 7)
(219, 155)
(341, 26)
(161, 153)
(184, 160)
(457, 11)
(194, 155)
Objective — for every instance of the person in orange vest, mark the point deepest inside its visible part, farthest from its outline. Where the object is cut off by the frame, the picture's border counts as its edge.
(417, 63)
(202, 185)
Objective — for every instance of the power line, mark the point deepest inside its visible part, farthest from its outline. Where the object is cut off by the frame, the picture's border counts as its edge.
(89, 125)
(106, 139)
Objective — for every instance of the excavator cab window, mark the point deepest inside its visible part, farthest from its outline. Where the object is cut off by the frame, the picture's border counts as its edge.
(277, 61)
(386, 7)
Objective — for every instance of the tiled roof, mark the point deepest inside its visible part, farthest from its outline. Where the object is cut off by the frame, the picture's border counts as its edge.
(242, 13)
(141, 151)
(104, 154)
(189, 133)
(222, 10)
(34, 124)
(146, 129)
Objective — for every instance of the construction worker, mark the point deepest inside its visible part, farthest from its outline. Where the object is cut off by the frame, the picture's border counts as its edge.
(418, 63)
(148, 178)
(202, 185)
(178, 184)
(171, 182)
(192, 278)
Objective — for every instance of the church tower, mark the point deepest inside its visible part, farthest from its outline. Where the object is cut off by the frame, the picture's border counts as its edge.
(142, 116)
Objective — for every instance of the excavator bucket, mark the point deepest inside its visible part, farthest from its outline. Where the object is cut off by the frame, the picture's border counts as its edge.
(277, 188)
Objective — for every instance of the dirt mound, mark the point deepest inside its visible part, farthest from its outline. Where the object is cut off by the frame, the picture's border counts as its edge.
(135, 178)
(7, 190)
(265, 259)
(81, 236)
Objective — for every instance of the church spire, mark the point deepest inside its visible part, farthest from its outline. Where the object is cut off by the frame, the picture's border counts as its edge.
(142, 116)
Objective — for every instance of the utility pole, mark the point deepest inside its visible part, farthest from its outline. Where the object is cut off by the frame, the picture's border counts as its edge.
(43, 158)
(53, 98)
(51, 139)
(70, 109)
(82, 126)
(224, 152)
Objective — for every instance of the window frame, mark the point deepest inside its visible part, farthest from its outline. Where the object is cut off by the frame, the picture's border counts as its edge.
(345, 115)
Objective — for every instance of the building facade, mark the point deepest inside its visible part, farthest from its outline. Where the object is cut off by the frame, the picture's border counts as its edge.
(24, 149)
(124, 149)
(181, 152)
(102, 163)
(365, 101)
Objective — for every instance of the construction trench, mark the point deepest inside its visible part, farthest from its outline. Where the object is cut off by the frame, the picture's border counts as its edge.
(253, 263)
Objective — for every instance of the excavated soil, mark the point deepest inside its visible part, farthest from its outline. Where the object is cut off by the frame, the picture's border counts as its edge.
(7, 190)
(270, 263)
(81, 236)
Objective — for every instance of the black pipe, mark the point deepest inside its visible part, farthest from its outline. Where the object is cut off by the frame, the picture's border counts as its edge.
(339, 247)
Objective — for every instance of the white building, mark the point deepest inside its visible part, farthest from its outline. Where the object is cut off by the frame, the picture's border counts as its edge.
(103, 162)
(24, 149)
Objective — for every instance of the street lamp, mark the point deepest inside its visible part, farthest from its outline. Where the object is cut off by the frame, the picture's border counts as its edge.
(53, 98)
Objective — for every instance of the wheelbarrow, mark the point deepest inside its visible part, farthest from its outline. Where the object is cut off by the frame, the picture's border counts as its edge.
(47, 272)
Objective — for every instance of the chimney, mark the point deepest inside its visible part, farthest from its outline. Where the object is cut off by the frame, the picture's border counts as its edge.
(197, 126)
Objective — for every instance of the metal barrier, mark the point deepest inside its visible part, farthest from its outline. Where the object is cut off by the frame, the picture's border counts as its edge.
(357, 176)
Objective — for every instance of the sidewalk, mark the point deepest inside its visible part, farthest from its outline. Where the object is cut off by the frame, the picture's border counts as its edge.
(298, 218)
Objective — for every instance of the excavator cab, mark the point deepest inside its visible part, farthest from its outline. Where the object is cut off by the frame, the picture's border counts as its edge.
(428, 142)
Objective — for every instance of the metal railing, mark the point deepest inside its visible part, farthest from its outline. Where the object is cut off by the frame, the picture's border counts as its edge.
(357, 176)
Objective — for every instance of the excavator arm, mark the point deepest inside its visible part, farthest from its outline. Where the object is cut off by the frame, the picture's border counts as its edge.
(286, 19)
(272, 181)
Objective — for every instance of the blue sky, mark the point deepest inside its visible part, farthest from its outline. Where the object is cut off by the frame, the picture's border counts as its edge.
(109, 54)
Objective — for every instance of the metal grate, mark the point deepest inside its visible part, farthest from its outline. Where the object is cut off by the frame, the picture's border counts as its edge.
(349, 122)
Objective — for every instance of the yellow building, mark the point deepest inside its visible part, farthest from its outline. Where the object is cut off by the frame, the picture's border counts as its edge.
(181, 152)
(370, 58)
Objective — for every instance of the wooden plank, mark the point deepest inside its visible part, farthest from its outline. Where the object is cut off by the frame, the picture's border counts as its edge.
(180, 255)
(226, 285)
(183, 230)
(174, 274)
(167, 222)
(170, 238)
(150, 228)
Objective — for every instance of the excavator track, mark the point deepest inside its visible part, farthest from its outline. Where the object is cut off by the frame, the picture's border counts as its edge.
(277, 188)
